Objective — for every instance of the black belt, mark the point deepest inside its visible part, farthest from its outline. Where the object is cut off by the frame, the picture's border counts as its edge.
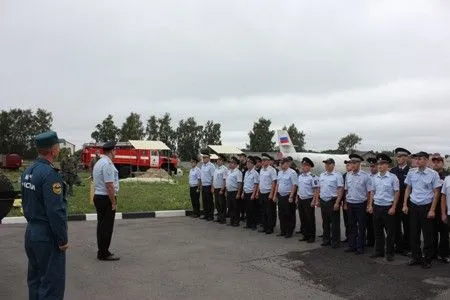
(305, 199)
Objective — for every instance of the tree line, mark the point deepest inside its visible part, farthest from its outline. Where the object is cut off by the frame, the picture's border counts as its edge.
(18, 128)
(187, 138)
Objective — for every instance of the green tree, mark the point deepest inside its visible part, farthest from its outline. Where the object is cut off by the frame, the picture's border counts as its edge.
(152, 129)
(18, 128)
(166, 133)
(349, 142)
(297, 137)
(211, 134)
(189, 135)
(43, 120)
(261, 136)
(106, 131)
(132, 128)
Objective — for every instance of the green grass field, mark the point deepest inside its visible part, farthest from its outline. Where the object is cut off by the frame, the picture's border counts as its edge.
(132, 196)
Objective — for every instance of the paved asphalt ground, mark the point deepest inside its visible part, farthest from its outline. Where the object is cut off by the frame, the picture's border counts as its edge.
(185, 258)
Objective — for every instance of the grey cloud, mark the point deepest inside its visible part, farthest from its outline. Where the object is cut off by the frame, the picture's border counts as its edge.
(329, 67)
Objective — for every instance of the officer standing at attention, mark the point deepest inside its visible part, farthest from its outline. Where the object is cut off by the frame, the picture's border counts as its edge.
(383, 204)
(307, 198)
(445, 208)
(285, 191)
(45, 209)
(440, 229)
(106, 184)
(233, 181)
(243, 168)
(370, 232)
(266, 193)
(331, 191)
(195, 184)
(402, 229)
(358, 186)
(219, 189)
(251, 183)
(349, 168)
(207, 175)
(423, 185)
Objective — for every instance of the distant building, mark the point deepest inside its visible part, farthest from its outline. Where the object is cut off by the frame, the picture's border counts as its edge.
(67, 145)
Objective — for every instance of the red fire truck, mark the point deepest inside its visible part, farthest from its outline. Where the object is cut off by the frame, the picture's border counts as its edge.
(10, 161)
(134, 156)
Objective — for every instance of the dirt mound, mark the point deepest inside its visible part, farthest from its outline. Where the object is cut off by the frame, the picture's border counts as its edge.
(154, 173)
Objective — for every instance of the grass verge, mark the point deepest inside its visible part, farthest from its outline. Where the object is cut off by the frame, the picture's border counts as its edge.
(132, 196)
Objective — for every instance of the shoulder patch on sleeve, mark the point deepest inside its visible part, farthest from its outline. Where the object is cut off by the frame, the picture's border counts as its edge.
(57, 188)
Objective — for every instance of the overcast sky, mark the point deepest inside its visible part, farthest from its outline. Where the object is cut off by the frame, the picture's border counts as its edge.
(377, 68)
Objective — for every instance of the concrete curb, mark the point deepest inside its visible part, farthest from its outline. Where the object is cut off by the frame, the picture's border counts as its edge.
(119, 216)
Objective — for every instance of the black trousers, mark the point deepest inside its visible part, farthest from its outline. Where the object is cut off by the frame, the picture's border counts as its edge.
(440, 236)
(208, 202)
(269, 212)
(345, 217)
(221, 205)
(232, 207)
(331, 222)
(301, 218)
(382, 222)
(357, 222)
(105, 224)
(240, 206)
(419, 223)
(402, 227)
(370, 232)
(195, 200)
(286, 214)
(308, 218)
(252, 210)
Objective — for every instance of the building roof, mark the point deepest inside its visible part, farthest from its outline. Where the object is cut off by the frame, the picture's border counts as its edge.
(222, 149)
(149, 145)
(64, 141)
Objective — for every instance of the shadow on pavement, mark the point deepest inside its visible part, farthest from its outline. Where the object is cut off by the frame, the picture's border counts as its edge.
(361, 277)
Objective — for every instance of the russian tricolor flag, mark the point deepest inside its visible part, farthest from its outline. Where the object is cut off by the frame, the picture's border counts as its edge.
(284, 140)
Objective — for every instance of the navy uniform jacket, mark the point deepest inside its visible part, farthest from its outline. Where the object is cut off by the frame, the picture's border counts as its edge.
(44, 203)
(401, 175)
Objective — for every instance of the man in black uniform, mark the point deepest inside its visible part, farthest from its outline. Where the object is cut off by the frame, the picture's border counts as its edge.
(243, 168)
(402, 241)
(440, 230)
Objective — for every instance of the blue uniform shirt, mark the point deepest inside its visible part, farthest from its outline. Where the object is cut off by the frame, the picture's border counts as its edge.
(286, 180)
(194, 176)
(251, 178)
(307, 182)
(422, 185)
(384, 188)
(357, 185)
(233, 179)
(266, 178)
(207, 174)
(219, 176)
(105, 171)
(44, 203)
(446, 191)
(329, 184)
